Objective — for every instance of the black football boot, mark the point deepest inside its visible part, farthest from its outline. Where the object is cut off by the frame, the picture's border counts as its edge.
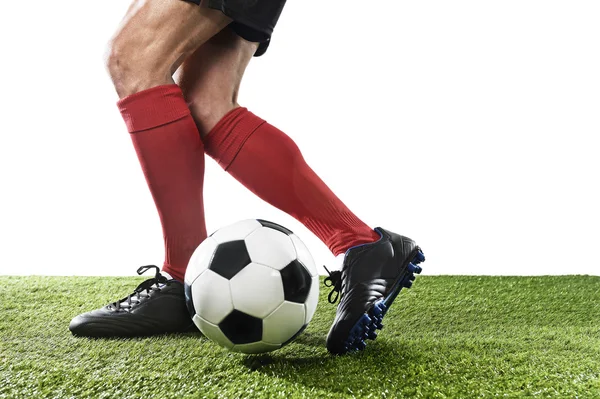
(156, 306)
(371, 277)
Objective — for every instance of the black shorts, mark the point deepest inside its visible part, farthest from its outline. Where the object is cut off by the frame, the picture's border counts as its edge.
(253, 20)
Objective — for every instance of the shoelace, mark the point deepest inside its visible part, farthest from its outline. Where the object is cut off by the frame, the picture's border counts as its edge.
(334, 280)
(142, 291)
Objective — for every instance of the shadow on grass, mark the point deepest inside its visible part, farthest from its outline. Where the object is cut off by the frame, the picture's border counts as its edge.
(370, 370)
(192, 334)
(310, 338)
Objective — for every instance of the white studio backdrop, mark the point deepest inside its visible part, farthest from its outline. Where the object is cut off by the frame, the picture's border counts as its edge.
(471, 126)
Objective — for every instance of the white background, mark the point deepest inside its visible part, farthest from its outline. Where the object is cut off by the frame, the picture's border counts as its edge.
(471, 126)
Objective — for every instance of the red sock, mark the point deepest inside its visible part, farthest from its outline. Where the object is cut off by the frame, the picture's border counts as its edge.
(269, 163)
(171, 154)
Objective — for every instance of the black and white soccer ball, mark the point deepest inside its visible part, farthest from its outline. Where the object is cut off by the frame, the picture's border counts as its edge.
(252, 287)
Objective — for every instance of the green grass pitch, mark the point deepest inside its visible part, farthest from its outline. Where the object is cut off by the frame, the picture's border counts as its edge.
(448, 337)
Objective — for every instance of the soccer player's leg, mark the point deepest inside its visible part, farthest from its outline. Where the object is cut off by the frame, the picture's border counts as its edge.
(211, 77)
(377, 264)
(151, 43)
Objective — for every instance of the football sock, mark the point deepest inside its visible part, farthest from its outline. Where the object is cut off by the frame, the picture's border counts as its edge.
(269, 163)
(171, 154)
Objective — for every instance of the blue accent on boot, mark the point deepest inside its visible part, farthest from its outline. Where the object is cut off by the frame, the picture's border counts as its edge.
(370, 322)
(367, 243)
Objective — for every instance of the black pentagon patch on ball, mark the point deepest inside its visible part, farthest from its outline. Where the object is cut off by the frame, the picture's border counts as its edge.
(230, 257)
(275, 226)
(241, 328)
(296, 282)
(188, 299)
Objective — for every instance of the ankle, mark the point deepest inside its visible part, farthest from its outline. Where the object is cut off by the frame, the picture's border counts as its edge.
(176, 273)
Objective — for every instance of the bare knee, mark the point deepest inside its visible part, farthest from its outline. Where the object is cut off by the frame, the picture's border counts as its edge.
(114, 62)
(155, 37)
(131, 71)
(210, 78)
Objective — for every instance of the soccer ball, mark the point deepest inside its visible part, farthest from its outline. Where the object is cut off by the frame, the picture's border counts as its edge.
(252, 287)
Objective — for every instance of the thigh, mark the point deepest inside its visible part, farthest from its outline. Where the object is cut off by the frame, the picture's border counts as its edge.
(210, 78)
(156, 36)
